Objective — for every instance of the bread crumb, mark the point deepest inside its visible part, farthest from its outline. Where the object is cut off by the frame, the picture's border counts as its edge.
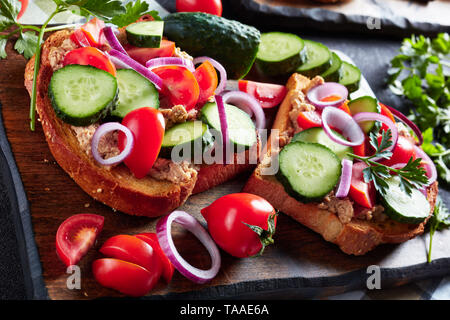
(87, 205)
(99, 190)
(46, 161)
(47, 189)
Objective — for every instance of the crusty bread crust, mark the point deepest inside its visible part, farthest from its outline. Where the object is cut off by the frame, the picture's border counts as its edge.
(356, 237)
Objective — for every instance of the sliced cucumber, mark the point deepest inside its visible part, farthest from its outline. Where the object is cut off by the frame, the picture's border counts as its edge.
(308, 171)
(318, 59)
(135, 91)
(189, 137)
(82, 95)
(332, 73)
(349, 76)
(404, 208)
(364, 104)
(318, 135)
(279, 53)
(241, 130)
(146, 34)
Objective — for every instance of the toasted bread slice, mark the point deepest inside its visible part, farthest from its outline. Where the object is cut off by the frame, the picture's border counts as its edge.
(115, 187)
(355, 237)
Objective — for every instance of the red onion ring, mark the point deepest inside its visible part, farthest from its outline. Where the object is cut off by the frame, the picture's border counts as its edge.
(170, 61)
(163, 232)
(112, 40)
(220, 68)
(136, 66)
(346, 179)
(248, 104)
(317, 93)
(104, 129)
(407, 122)
(342, 121)
(429, 164)
(223, 126)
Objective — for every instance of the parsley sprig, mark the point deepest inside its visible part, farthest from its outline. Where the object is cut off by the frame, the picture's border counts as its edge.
(411, 175)
(438, 221)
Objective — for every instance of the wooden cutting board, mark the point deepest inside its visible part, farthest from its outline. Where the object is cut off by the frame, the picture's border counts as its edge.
(300, 264)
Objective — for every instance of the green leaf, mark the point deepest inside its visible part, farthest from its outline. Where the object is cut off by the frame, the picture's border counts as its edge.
(105, 9)
(26, 44)
(134, 10)
(3, 42)
(9, 9)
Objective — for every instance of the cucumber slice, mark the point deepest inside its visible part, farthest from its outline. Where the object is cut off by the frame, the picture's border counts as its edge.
(279, 53)
(318, 59)
(364, 104)
(146, 34)
(318, 135)
(241, 130)
(82, 95)
(308, 171)
(135, 91)
(188, 136)
(349, 76)
(404, 208)
(332, 73)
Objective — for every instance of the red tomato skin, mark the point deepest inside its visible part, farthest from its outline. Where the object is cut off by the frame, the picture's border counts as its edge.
(226, 217)
(71, 254)
(93, 30)
(22, 8)
(147, 125)
(386, 112)
(207, 81)
(79, 38)
(134, 250)
(142, 55)
(90, 56)
(361, 192)
(167, 266)
(344, 107)
(403, 151)
(309, 119)
(269, 95)
(207, 6)
(125, 277)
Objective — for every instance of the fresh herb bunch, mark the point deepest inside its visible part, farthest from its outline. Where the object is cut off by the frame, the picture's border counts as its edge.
(411, 175)
(420, 73)
(438, 221)
(31, 37)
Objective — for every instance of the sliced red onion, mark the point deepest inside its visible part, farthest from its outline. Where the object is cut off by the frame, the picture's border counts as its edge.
(136, 66)
(164, 234)
(223, 126)
(112, 40)
(220, 68)
(346, 179)
(170, 61)
(407, 122)
(246, 102)
(342, 121)
(117, 62)
(429, 164)
(317, 93)
(104, 129)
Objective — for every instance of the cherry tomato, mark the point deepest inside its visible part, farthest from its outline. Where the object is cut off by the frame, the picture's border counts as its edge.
(269, 95)
(22, 8)
(142, 55)
(207, 81)
(361, 192)
(309, 119)
(90, 56)
(76, 235)
(93, 30)
(125, 277)
(402, 152)
(180, 85)
(134, 250)
(167, 267)
(80, 38)
(207, 6)
(147, 125)
(386, 112)
(229, 219)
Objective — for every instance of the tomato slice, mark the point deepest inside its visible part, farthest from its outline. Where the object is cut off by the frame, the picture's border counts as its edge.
(167, 267)
(344, 107)
(403, 151)
(386, 112)
(207, 81)
(361, 192)
(269, 95)
(79, 38)
(179, 85)
(360, 150)
(147, 125)
(309, 119)
(76, 235)
(90, 56)
(22, 8)
(93, 30)
(142, 55)
(207, 6)
(125, 277)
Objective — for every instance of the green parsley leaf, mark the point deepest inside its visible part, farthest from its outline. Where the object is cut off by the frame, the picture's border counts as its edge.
(9, 9)
(26, 44)
(134, 10)
(3, 42)
(104, 9)
(438, 221)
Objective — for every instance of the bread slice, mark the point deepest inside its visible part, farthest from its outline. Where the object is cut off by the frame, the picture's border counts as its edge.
(116, 187)
(355, 237)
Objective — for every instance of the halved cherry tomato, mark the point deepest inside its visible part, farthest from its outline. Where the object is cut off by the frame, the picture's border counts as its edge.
(147, 125)
(386, 112)
(268, 94)
(134, 250)
(93, 30)
(179, 85)
(360, 191)
(229, 219)
(167, 267)
(76, 235)
(125, 277)
(403, 151)
(90, 56)
(142, 55)
(309, 119)
(207, 6)
(22, 8)
(207, 81)
(80, 38)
